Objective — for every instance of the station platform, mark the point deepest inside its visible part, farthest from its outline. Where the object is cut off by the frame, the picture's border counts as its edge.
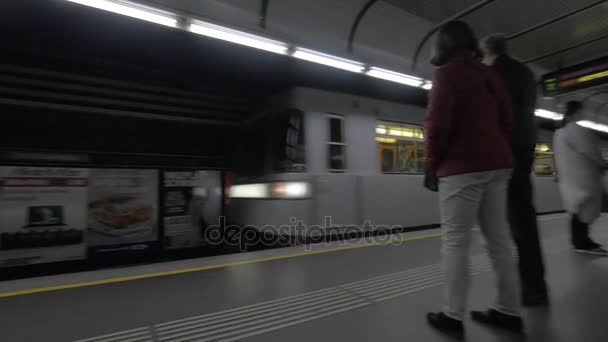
(362, 290)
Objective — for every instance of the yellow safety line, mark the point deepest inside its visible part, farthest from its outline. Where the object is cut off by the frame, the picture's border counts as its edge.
(392, 240)
(209, 267)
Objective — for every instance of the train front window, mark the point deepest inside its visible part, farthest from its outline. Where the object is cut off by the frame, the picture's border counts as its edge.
(273, 143)
(290, 153)
(401, 148)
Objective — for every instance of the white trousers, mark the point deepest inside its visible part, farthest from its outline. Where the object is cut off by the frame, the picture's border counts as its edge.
(465, 200)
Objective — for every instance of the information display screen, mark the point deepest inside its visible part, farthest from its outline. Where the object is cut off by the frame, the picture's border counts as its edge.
(577, 77)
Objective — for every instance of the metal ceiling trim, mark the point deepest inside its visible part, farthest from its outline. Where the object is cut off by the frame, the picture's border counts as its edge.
(556, 19)
(357, 22)
(26, 82)
(436, 28)
(601, 106)
(113, 112)
(594, 95)
(264, 13)
(95, 80)
(571, 47)
(102, 102)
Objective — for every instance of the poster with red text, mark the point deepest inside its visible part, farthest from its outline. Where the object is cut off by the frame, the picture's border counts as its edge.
(42, 214)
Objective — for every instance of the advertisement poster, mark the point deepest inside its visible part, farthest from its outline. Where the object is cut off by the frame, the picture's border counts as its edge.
(122, 211)
(42, 214)
(191, 202)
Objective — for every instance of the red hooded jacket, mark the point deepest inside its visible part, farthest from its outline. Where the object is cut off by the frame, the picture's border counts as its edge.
(469, 118)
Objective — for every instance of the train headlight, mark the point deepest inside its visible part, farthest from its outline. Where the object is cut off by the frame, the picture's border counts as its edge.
(290, 190)
(274, 190)
(249, 191)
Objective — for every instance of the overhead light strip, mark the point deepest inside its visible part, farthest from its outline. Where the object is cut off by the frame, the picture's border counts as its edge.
(238, 37)
(593, 125)
(149, 14)
(548, 114)
(584, 123)
(132, 10)
(329, 60)
(395, 77)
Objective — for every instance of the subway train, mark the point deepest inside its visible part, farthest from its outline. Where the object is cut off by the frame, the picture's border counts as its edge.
(315, 163)
(323, 161)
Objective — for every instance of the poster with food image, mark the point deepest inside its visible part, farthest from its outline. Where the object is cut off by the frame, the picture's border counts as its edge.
(122, 209)
(42, 214)
(191, 202)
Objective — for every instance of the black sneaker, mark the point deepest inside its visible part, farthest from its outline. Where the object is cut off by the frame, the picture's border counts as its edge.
(537, 300)
(498, 319)
(449, 326)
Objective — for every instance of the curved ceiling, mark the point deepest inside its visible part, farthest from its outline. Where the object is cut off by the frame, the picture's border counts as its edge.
(547, 34)
(386, 37)
(391, 29)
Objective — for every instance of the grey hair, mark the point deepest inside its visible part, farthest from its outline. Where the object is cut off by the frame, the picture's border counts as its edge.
(496, 44)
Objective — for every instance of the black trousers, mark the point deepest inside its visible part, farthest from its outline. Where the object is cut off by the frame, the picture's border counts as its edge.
(579, 234)
(524, 227)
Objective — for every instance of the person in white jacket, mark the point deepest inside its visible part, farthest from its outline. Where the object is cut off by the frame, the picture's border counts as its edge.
(579, 172)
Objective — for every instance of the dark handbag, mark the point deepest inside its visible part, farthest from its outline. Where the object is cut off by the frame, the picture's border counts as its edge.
(604, 203)
(431, 182)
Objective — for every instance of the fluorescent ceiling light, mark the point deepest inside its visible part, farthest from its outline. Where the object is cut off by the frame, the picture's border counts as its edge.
(427, 85)
(593, 125)
(586, 123)
(238, 37)
(131, 10)
(395, 77)
(329, 60)
(548, 114)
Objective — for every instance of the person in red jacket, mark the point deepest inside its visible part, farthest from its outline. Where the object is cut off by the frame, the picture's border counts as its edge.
(467, 129)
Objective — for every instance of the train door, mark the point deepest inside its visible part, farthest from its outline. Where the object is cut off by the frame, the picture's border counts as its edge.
(337, 191)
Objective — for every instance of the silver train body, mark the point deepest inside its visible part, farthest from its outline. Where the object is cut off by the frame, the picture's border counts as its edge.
(340, 170)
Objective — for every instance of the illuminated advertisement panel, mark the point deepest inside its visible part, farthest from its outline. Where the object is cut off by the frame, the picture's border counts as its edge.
(122, 211)
(42, 214)
(191, 202)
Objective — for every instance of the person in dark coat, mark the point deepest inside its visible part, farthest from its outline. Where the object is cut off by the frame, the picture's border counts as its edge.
(521, 84)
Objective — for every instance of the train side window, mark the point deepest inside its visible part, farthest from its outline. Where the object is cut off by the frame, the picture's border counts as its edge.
(544, 162)
(336, 148)
(401, 148)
